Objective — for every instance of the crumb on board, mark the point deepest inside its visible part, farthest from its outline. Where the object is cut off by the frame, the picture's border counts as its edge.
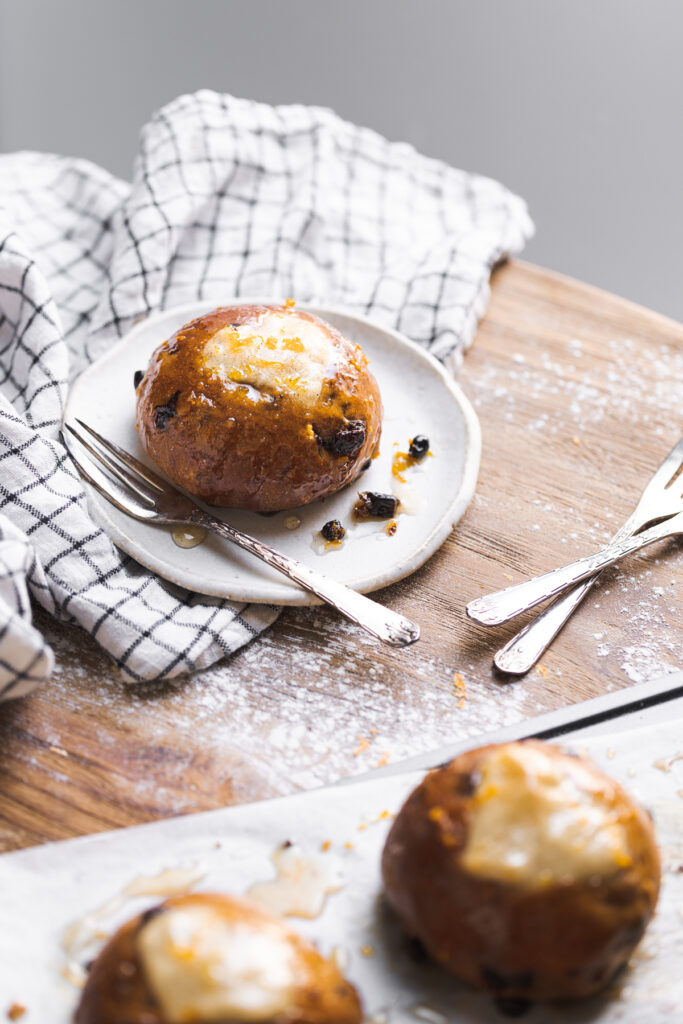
(541, 670)
(367, 950)
(362, 745)
(508, 576)
(326, 845)
(576, 439)
(384, 759)
(15, 1011)
(459, 689)
(665, 764)
(74, 973)
(348, 846)
(383, 816)
(58, 750)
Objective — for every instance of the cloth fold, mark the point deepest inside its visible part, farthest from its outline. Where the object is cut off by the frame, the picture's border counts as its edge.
(230, 198)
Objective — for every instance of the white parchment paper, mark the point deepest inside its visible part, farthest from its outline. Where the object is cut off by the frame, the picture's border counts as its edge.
(44, 889)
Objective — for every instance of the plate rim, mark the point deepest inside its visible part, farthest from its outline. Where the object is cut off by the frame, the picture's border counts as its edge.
(98, 505)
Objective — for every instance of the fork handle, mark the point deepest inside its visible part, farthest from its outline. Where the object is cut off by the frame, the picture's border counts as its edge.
(374, 618)
(506, 604)
(525, 648)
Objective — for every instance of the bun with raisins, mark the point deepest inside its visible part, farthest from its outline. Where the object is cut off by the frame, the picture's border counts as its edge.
(524, 870)
(259, 407)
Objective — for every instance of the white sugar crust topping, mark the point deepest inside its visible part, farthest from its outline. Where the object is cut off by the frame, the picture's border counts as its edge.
(203, 965)
(538, 820)
(275, 351)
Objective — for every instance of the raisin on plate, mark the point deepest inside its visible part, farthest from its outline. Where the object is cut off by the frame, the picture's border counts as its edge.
(373, 505)
(333, 531)
(419, 446)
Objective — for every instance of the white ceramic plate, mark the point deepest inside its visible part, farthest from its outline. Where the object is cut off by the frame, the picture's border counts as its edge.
(419, 398)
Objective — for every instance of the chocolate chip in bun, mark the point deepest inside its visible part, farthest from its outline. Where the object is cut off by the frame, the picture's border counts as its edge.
(524, 870)
(212, 959)
(259, 407)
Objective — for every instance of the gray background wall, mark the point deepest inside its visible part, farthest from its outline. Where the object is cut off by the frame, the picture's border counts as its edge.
(575, 104)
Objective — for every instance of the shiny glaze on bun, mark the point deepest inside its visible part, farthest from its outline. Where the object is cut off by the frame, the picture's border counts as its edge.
(259, 407)
(524, 870)
(213, 959)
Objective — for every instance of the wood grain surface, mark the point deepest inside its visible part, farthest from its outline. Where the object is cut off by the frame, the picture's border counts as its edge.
(579, 396)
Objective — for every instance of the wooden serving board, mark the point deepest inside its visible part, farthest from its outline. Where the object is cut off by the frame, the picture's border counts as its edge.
(579, 396)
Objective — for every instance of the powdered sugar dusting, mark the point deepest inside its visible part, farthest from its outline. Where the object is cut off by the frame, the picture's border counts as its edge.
(301, 722)
(314, 699)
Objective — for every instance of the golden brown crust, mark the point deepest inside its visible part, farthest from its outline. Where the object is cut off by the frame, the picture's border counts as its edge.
(116, 989)
(211, 437)
(553, 942)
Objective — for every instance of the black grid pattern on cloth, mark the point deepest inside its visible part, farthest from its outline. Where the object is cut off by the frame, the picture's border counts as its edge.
(229, 198)
(25, 659)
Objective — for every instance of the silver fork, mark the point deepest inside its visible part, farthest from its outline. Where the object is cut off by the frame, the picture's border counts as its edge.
(657, 500)
(494, 609)
(138, 491)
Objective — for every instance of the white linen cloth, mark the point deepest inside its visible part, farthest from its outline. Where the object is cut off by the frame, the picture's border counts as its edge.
(229, 198)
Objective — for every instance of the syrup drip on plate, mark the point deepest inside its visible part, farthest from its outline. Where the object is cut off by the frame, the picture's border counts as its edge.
(301, 886)
(86, 930)
(188, 536)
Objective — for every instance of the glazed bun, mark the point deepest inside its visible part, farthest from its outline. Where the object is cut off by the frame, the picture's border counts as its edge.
(524, 870)
(259, 407)
(213, 959)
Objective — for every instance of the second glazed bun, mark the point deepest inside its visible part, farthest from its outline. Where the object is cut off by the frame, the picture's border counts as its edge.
(259, 407)
(524, 870)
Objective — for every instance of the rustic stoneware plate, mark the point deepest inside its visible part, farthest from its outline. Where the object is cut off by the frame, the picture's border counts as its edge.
(419, 397)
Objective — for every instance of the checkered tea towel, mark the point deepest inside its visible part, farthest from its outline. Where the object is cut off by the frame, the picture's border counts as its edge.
(229, 198)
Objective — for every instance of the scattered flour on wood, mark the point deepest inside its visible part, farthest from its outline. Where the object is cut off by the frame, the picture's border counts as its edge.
(306, 721)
